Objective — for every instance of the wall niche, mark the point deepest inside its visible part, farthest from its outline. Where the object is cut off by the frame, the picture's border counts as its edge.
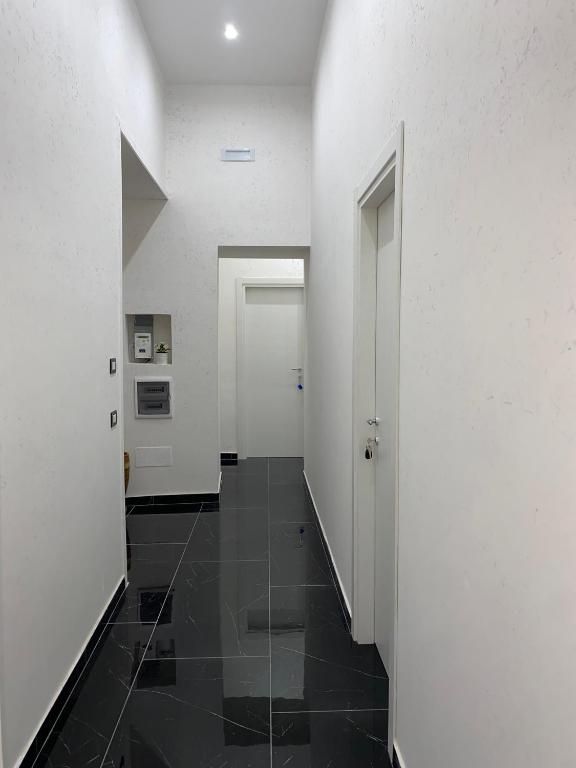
(145, 333)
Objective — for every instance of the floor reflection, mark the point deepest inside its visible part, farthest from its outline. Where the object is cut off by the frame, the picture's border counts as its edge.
(229, 647)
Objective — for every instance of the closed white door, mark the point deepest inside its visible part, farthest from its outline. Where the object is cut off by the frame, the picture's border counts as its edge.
(271, 407)
(386, 452)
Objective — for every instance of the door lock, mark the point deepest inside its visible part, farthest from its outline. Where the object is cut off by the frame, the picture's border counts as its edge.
(373, 422)
(371, 443)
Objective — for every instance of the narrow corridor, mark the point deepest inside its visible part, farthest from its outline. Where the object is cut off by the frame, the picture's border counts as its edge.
(218, 655)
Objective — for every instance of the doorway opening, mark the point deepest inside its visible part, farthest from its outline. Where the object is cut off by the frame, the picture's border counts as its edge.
(144, 327)
(261, 345)
(378, 220)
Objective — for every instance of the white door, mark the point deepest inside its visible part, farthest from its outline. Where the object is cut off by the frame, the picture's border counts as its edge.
(271, 408)
(386, 453)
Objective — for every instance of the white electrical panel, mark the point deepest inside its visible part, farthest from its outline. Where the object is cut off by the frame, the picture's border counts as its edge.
(153, 397)
(143, 346)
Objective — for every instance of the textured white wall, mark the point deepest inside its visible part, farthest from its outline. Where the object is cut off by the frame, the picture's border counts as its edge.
(61, 493)
(175, 268)
(487, 668)
(136, 84)
(229, 271)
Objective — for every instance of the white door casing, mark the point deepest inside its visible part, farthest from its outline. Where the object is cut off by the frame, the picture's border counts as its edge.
(386, 452)
(270, 360)
(375, 481)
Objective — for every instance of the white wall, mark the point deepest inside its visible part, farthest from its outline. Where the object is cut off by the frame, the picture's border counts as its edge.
(487, 669)
(175, 268)
(229, 271)
(61, 494)
(137, 87)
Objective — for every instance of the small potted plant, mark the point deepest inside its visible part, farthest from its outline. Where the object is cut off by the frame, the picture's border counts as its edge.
(161, 354)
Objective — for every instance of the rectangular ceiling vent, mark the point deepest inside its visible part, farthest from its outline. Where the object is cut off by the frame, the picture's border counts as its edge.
(237, 155)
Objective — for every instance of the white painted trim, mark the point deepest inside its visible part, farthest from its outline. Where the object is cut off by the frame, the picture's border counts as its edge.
(241, 284)
(70, 670)
(383, 177)
(120, 371)
(363, 406)
(263, 251)
(344, 595)
(220, 481)
(401, 761)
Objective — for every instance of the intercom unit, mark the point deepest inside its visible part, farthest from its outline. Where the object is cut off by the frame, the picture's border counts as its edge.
(142, 346)
(143, 336)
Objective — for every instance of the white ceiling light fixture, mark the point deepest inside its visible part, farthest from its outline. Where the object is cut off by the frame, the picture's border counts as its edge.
(230, 32)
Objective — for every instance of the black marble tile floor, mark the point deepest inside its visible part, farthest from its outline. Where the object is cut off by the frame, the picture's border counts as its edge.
(229, 647)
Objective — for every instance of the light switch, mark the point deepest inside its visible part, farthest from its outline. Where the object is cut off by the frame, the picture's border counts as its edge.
(113, 419)
(112, 365)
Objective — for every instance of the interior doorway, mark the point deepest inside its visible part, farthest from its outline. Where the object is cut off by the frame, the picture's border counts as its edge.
(376, 409)
(261, 332)
(270, 367)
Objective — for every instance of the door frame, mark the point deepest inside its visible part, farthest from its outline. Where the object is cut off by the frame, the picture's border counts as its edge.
(242, 283)
(384, 177)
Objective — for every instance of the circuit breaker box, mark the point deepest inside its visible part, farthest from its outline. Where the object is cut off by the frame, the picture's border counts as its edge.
(154, 398)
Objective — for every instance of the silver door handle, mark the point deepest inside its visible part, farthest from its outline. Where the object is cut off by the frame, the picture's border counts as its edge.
(295, 369)
(373, 422)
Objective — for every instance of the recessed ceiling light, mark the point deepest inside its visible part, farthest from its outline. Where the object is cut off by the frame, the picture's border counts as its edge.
(230, 32)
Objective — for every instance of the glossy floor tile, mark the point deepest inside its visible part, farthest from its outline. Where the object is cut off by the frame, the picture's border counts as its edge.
(158, 529)
(289, 503)
(136, 500)
(217, 609)
(285, 470)
(196, 713)
(229, 647)
(315, 663)
(211, 506)
(243, 490)
(256, 466)
(303, 682)
(151, 568)
(96, 703)
(234, 535)
(315, 614)
(330, 740)
(167, 508)
(297, 555)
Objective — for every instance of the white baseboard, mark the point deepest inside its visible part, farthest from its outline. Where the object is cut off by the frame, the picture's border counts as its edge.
(399, 757)
(343, 591)
(68, 674)
(177, 493)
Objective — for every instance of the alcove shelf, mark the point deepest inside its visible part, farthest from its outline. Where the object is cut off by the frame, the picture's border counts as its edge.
(159, 326)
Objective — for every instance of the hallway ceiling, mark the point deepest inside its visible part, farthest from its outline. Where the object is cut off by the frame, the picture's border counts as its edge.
(277, 43)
